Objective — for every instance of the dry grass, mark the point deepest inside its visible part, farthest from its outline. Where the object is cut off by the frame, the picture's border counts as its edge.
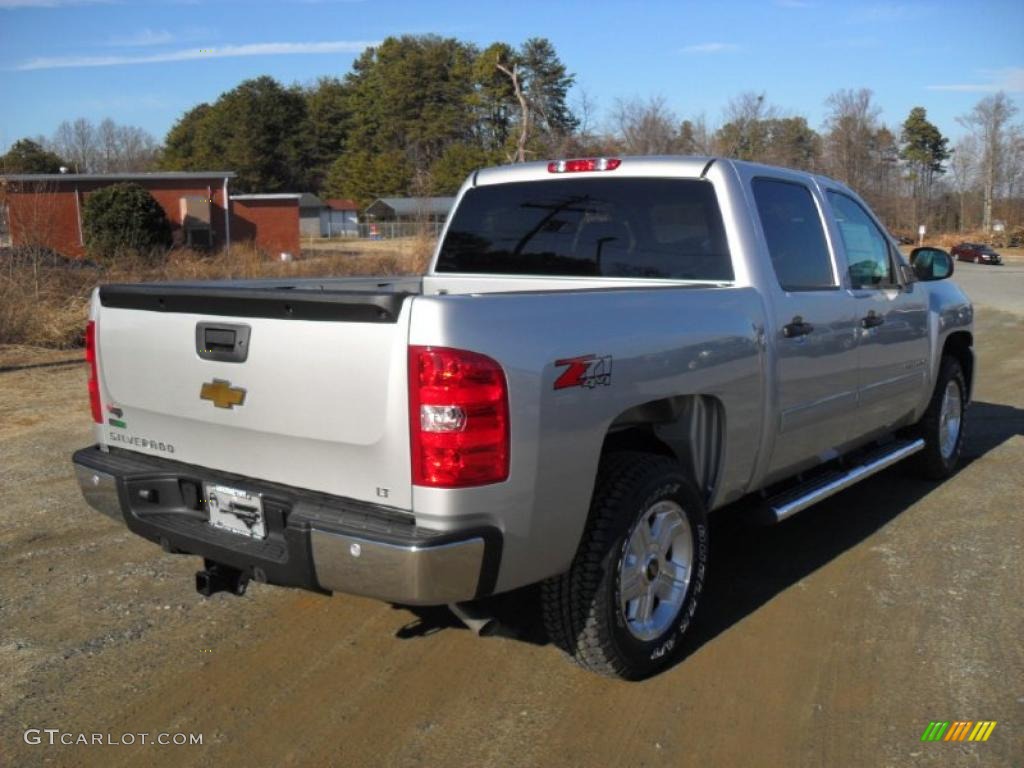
(45, 306)
(998, 240)
(402, 245)
(947, 240)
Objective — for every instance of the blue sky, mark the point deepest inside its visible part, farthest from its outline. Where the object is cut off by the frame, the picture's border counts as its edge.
(144, 63)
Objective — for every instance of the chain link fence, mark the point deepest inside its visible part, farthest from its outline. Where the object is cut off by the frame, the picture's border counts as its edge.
(380, 230)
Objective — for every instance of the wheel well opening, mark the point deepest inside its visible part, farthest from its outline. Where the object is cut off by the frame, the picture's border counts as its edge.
(687, 428)
(636, 438)
(959, 345)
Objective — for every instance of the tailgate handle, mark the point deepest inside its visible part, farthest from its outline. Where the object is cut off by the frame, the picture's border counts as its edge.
(219, 338)
(222, 342)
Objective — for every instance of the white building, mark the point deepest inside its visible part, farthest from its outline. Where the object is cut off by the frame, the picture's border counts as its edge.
(339, 218)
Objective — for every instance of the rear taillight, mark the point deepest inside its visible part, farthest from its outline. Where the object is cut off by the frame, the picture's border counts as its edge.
(458, 418)
(584, 164)
(94, 379)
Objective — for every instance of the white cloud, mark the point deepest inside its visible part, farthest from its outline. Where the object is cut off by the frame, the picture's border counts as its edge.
(147, 37)
(192, 54)
(1010, 80)
(710, 48)
(142, 38)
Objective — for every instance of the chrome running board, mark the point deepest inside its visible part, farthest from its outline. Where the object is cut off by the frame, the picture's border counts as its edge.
(803, 496)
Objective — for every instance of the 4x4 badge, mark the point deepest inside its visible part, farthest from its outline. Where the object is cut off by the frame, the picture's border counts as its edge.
(584, 371)
(222, 394)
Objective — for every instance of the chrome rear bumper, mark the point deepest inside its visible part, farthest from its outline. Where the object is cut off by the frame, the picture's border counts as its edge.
(100, 491)
(444, 573)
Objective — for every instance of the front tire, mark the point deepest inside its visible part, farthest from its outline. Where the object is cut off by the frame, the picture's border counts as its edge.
(631, 592)
(942, 426)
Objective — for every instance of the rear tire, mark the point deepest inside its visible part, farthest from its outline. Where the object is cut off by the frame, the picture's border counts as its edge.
(942, 426)
(631, 591)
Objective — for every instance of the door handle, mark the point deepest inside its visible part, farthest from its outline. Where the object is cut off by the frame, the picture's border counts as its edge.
(797, 328)
(872, 320)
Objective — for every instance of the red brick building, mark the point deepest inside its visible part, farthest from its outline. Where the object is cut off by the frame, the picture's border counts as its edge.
(46, 209)
(270, 221)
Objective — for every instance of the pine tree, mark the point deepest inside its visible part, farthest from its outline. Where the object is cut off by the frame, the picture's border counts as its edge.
(925, 150)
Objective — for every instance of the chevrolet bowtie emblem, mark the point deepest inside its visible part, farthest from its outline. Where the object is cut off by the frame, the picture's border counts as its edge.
(222, 394)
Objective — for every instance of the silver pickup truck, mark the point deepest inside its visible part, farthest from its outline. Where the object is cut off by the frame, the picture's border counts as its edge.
(602, 351)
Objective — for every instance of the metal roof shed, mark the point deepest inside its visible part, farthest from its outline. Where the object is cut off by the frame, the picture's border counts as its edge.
(410, 208)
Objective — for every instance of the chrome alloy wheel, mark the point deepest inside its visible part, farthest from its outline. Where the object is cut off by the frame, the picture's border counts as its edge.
(950, 418)
(655, 570)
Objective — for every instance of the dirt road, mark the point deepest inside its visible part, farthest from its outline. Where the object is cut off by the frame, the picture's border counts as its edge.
(832, 639)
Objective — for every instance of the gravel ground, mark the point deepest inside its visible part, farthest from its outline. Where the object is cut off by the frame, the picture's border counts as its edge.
(832, 639)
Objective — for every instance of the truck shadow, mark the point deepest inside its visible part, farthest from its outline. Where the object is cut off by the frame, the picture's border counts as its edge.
(751, 564)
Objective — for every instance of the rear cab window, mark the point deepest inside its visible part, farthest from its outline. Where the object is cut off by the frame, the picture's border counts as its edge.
(623, 227)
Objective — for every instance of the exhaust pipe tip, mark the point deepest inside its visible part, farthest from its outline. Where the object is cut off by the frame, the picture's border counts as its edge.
(480, 622)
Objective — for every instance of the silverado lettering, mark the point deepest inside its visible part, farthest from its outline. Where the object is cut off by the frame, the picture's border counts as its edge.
(140, 442)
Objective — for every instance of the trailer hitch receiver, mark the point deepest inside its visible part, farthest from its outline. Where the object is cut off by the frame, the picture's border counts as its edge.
(216, 577)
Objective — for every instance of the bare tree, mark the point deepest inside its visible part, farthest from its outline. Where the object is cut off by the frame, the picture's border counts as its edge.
(963, 168)
(750, 107)
(135, 149)
(586, 110)
(884, 162)
(83, 143)
(513, 73)
(695, 138)
(988, 121)
(851, 125)
(645, 127)
(106, 148)
(744, 133)
(76, 142)
(1013, 162)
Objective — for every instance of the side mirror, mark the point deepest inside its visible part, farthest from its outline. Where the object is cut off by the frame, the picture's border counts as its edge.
(931, 263)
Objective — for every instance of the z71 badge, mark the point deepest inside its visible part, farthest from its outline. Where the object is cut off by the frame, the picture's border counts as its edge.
(584, 371)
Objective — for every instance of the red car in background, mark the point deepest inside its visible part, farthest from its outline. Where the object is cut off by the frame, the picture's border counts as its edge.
(976, 252)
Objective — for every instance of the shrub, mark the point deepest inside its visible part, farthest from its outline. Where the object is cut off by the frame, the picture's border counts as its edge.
(124, 218)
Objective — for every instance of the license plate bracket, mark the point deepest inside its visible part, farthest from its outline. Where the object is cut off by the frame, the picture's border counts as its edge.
(235, 510)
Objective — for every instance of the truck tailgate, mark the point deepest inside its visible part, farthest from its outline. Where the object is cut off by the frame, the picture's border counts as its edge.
(319, 401)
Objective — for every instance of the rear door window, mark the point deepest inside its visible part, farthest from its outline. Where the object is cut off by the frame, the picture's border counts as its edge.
(623, 227)
(795, 235)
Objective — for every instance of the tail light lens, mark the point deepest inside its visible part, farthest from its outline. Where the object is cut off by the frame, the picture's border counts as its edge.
(94, 379)
(458, 414)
